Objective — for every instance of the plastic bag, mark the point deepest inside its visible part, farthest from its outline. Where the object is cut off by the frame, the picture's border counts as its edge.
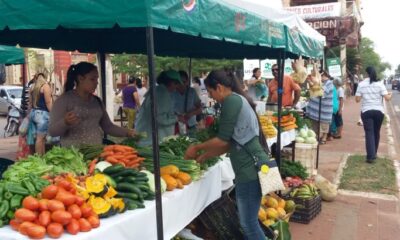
(23, 128)
(328, 190)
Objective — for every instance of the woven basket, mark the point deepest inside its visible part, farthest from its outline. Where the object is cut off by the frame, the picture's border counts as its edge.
(306, 154)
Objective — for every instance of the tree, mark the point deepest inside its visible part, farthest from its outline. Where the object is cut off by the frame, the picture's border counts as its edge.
(397, 71)
(367, 55)
(136, 64)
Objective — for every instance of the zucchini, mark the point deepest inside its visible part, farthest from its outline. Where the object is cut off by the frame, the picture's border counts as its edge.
(132, 196)
(125, 173)
(128, 187)
(114, 169)
(139, 204)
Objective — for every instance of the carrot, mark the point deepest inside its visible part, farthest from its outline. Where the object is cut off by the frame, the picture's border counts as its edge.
(92, 166)
(106, 154)
(136, 165)
(112, 160)
(131, 156)
(119, 148)
(118, 156)
(108, 148)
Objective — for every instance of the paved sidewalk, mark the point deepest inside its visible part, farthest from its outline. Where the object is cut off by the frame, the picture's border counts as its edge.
(351, 217)
(8, 147)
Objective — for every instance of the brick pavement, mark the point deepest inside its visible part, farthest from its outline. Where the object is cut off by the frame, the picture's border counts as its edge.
(8, 147)
(350, 217)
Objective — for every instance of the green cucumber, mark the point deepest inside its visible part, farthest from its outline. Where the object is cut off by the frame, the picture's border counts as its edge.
(129, 195)
(114, 169)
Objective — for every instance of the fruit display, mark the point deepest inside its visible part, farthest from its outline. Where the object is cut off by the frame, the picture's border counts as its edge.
(288, 121)
(305, 191)
(274, 208)
(267, 127)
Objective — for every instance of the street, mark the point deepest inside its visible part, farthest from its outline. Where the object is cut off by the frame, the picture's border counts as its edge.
(3, 121)
(393, 109)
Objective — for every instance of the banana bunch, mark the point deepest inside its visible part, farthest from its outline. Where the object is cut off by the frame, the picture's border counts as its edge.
(267, 127)
(306, 191)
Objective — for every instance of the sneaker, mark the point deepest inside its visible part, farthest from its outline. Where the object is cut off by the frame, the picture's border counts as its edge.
(370, 161)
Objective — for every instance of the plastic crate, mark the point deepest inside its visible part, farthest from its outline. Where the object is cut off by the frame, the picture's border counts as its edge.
(222, 218)
(305, 217)
(308, 209)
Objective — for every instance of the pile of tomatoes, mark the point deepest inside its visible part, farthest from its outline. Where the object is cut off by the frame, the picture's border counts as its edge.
(56, 209)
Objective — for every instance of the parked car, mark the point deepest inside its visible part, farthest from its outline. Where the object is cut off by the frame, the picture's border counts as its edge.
(10, 94)
(396, 84)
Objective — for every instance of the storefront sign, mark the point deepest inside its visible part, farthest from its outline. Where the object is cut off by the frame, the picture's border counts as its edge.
(317, 10)
(248, 66)
(334, 68)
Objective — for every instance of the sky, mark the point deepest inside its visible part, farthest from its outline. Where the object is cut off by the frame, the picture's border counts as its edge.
(380, 25)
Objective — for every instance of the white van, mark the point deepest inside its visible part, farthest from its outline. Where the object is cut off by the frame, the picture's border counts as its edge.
(10, 94)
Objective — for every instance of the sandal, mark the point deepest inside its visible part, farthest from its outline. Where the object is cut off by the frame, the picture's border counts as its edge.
(337, 137)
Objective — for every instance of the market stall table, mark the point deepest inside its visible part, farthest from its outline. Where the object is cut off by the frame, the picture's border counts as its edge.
(180, 207)
(287, 137)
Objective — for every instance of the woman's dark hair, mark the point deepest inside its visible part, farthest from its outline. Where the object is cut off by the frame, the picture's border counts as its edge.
(197, 80)
(139, 83)
(74, 71)
(255, 70)
(371, 74)
(131, 79)
(184, 75)
(228, 79)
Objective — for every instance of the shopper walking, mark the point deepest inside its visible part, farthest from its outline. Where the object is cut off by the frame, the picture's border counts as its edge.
(41, 104)
(371, 93)
(238, 127)
(131, 102)
(312, 109)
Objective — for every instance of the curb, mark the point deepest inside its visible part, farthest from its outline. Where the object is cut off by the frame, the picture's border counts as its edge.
(391, 148)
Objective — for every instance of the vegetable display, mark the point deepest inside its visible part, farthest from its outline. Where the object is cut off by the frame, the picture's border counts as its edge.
(121, 154)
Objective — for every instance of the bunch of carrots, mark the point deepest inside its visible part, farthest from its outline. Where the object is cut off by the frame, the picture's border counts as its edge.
(121, 154)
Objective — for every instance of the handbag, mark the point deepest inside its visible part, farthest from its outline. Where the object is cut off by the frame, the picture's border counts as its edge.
(268, 172)
(23, 128)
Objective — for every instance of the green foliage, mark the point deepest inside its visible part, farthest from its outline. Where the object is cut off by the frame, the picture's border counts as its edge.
(136, 64)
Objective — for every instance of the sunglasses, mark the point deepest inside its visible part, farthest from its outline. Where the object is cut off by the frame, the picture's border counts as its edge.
(275, 69)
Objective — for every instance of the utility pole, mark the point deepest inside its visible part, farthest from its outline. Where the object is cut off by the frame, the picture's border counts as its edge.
(342, 41)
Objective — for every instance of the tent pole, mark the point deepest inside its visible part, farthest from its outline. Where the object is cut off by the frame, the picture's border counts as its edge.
(319, 130)
(102, 62)
(281, 66)
(101, 58)
(190, 71)
(154, 125)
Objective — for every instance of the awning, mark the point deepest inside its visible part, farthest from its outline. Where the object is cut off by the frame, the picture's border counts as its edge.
(11, 55)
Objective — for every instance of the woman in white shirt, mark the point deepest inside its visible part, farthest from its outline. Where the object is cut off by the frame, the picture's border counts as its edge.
(371, 93)
(140, 89)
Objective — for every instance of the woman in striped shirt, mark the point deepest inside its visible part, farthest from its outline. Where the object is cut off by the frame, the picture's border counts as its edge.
(372, 92)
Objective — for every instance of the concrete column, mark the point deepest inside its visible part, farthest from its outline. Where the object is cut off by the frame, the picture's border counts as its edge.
(343, 59)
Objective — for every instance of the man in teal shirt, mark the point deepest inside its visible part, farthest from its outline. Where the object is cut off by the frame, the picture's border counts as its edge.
(187, 103)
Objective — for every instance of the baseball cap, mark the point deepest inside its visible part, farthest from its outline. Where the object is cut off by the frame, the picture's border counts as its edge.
(174, 75)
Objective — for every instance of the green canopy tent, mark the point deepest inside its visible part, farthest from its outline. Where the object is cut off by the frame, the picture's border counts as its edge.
(11, 55)
(191, 28)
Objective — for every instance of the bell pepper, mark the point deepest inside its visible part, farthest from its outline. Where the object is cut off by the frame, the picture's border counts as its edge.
(16, 188)
(5, 206)
(15, 201)
(29, 185)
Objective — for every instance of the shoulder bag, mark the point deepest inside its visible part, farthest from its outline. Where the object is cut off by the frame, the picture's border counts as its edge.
(268, 172)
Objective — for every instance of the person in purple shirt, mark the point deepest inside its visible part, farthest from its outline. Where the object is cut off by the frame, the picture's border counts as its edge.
(131, 102)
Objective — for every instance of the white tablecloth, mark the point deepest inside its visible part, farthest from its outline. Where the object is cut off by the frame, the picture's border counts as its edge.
(180, 207)
(287, 137)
